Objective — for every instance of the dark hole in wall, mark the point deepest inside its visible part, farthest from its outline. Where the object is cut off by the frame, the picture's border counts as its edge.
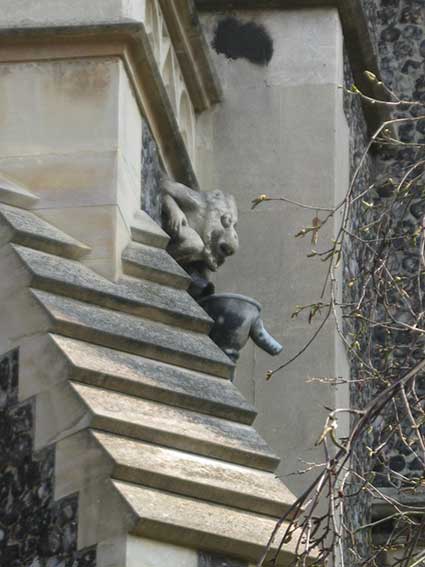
(243, 40)
(151, 175)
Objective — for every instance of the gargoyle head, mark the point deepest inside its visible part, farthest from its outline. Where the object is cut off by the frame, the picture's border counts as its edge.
(202, 225)
(220, 237)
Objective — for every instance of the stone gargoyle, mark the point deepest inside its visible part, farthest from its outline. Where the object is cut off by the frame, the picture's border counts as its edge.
(202, 225)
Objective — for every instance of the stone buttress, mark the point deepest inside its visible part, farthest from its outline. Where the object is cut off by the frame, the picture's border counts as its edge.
(133, 396)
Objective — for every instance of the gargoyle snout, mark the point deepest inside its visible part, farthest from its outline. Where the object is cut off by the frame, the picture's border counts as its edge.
(227, 249)
(228, 244)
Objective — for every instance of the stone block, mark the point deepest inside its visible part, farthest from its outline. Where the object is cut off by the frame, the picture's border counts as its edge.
(59, 414)
(121, 331)
(201, 525)
(13, 194)
(104, 229)
(29, 229)
(96, 164)
(138, 376)
(79, 462)
(175, 427)
(153, 264)
(146, 231)
(21, 316)
(145, 299)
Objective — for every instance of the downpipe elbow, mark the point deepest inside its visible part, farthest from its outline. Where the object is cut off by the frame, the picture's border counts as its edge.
(264, 340)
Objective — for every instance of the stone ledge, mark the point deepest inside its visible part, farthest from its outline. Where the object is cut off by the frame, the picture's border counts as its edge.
(195, 476)
(173, 427)
(145, 299)
(112, 329)
(146, 262)
(358, 43)
(28, 229)
(144, 230)
(152, 380)
(12, 193)
(202, 525)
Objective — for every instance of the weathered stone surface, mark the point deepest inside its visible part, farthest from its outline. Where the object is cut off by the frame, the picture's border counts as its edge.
(176, 427)
(202, 525)
(131, 334)
(153, 264)
(271, 265)
(146, 231)
(198, 477)
(13, 194)
(28, 229)
(145, 299)
(201, 224)
(182, 310)
(134, 375)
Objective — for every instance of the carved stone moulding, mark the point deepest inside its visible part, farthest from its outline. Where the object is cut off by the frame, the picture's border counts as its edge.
(171, 74)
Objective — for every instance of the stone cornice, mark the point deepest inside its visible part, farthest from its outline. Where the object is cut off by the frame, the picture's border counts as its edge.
(358, 42)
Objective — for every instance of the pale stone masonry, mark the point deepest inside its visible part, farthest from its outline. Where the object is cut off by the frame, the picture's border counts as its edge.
(131, 400)
(148, 428)
(127, 388)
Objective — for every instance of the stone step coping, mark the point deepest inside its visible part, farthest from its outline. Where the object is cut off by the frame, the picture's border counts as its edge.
(144, 299)
(12, 193)
(192, 316)
(120, 331)
(138, 376)
(28, 229)
(145, 230)
(147, 262)
(198, 477)
(177, 428)
(202, 525)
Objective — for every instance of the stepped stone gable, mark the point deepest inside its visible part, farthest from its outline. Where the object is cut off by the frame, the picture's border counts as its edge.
(135, 412)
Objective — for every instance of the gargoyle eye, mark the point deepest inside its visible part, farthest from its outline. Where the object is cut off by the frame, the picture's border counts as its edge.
(226, 221)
